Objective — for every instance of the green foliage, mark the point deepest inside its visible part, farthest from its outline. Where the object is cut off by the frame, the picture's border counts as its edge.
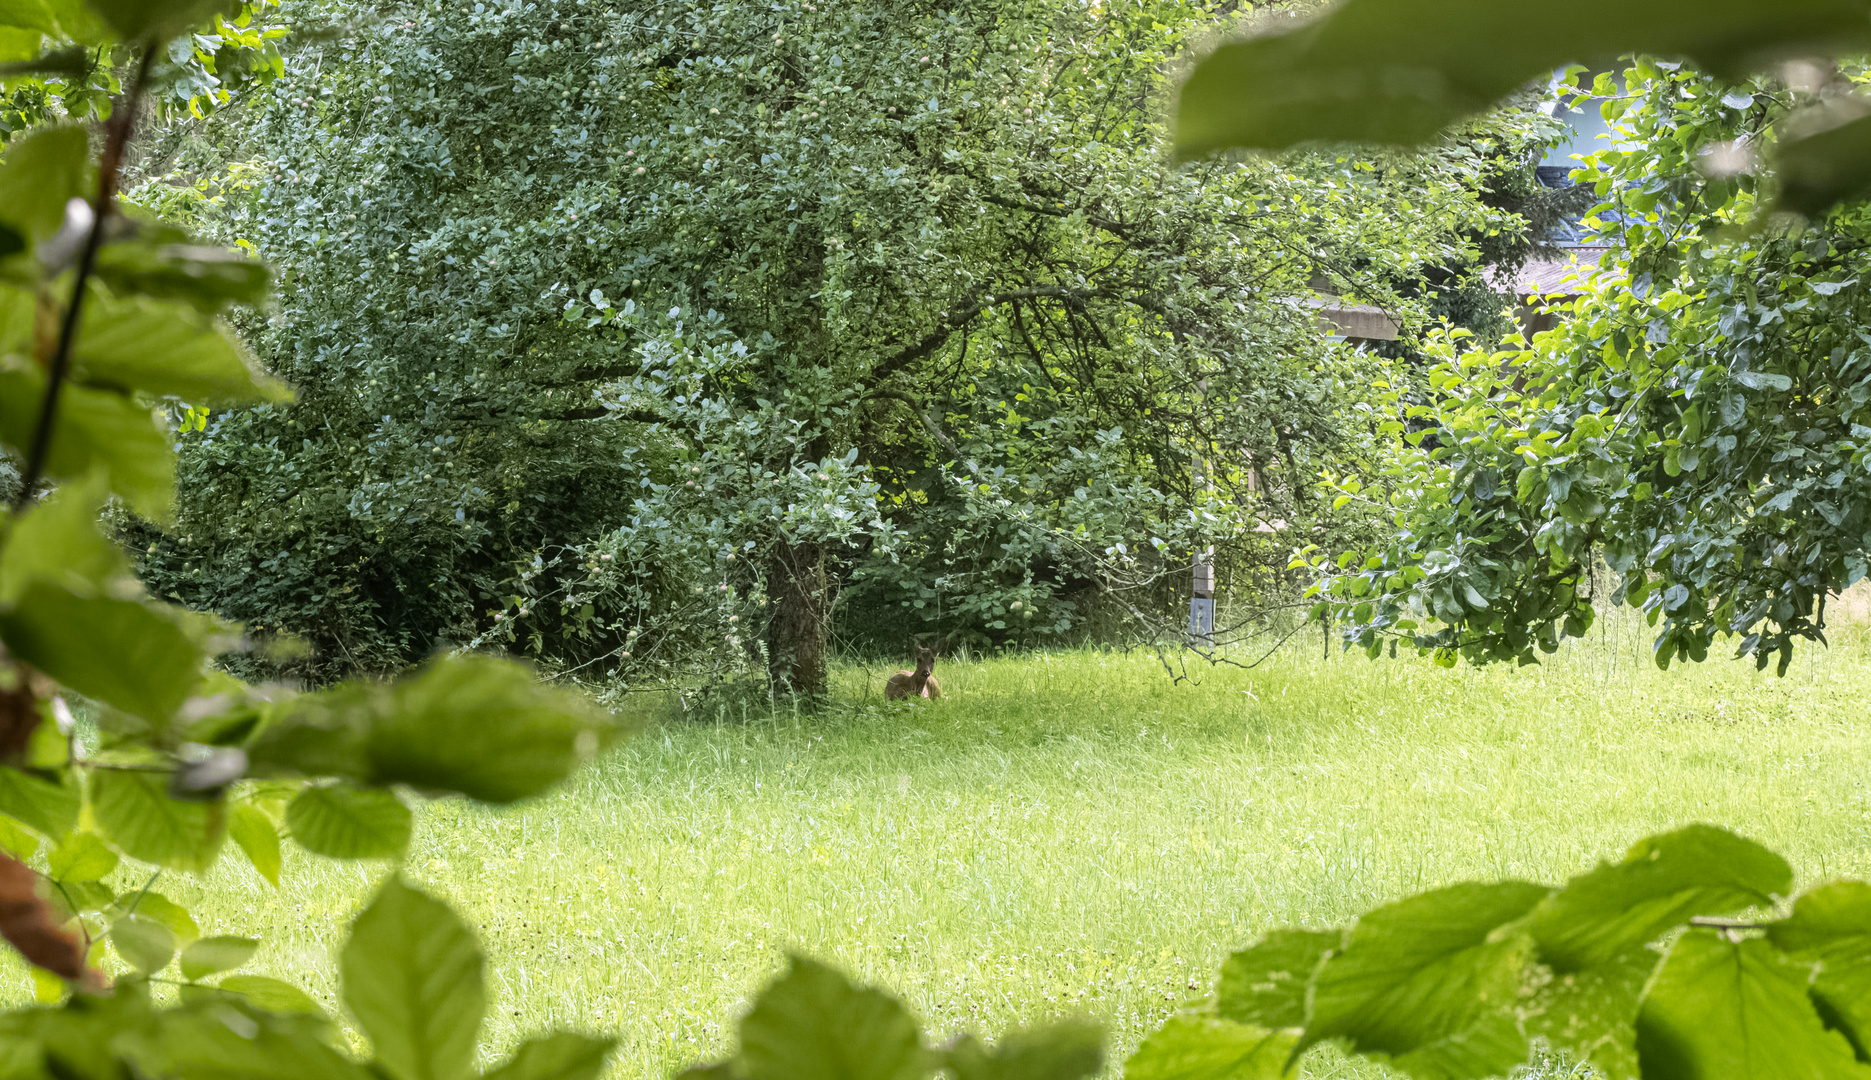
(1064, 1050)
(1210, 1048)
(144, 943)
(812, 1023)
(1832, 925)
(562, 1055)
(1454, 983)
(411, 980)
(809, 312)
(1720, 1007)
(1373, 71)
(258, 839)
(412, 977)
(108, 326)
(1267, 984)
(1424, 981)
(135, 812)
(482, 727)
(65, 59)
(344, 822)
(1695, 421)
(214, 955)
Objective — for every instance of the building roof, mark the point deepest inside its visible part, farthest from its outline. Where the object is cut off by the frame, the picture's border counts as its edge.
(1362, 322)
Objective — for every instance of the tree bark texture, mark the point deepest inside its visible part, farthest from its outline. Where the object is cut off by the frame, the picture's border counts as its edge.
(802, 623)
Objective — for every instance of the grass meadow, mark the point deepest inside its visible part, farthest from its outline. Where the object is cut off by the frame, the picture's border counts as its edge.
(1073, 833)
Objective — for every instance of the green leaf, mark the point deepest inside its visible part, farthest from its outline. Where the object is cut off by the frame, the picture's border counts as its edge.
(28, 15)
(95, 429)
(271, 994)
(213, 955)
(1427, 982)
(487, 728)
(258, 839)
(214, 1038)
(1592, 1013)
(1069, 1050)
(17, 840)
(484, 727)
(58, 540)
(1832, 924)
(1719, 1010)
(82, 856)
(1207, 1048)
(1592, 933)
(1601, 915)
(19, 311)
(345, 822)
(164, 348)
(1386, 72)
(41, 173)
(1266, 985)
(165, 263)
(134, 810)
(1822, 170)
(318, 734)
(73, 898)
(560, 1055)
(144, 944)
(812, 1023)
(50, 808)
(120, 652)
(158, 20)
(79, 22)
(154, 905)
(413, 981)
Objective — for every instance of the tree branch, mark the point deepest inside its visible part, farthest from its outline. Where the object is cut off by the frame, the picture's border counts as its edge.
(59, 369)
(921, 413)
(957, 318)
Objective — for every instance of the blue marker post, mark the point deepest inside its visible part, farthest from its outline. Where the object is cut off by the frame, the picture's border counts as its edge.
(1202, 607)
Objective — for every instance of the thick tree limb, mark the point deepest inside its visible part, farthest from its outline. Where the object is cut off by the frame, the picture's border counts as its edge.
(921, 413)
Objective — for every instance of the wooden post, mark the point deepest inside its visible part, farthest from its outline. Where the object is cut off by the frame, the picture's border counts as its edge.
(1202, 605)
(1202, 602)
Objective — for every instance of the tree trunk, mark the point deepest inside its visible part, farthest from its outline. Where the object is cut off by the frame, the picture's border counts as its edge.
(802, 619)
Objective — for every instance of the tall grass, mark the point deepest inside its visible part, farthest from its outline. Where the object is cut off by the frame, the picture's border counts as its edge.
(1073, 833)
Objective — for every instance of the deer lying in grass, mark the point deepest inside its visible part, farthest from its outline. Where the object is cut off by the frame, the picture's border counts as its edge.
(918, 683)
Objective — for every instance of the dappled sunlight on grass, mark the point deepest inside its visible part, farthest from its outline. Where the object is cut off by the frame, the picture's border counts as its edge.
(1073, 833)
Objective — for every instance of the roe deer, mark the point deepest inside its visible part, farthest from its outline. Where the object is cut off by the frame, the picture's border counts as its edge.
(918, 683)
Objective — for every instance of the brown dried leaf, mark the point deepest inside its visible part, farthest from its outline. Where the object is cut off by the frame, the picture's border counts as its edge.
(28, 925)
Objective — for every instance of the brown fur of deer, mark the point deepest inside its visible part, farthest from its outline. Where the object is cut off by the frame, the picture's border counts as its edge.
(918, 683)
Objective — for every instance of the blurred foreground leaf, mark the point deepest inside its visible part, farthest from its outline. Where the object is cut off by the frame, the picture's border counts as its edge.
(344, 822)
(1832, 925)
(1721, 1009)
(1209, 1048)
(1398, 71)
(413, 981)
(134, 809)
(812, 1023)
(561, 1055)
(483, 727)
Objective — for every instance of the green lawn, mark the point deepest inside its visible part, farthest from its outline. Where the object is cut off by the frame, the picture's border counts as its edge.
(1072, 833)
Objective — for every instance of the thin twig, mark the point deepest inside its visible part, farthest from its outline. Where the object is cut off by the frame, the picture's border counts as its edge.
(121, 123)
(1714, 923)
